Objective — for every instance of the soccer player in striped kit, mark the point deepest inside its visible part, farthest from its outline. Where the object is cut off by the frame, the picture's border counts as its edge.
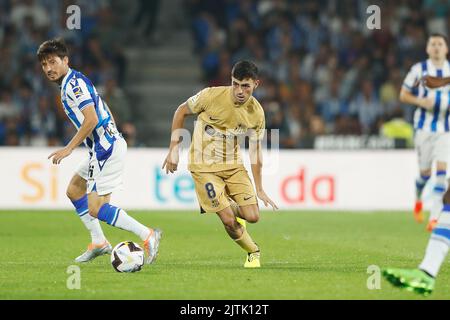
(431, 123)
(101, 171)
(422, 279)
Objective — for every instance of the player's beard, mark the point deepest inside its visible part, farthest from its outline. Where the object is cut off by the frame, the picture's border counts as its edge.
(59, 80)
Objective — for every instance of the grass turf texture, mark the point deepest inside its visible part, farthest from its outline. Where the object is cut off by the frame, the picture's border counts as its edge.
(305, 255)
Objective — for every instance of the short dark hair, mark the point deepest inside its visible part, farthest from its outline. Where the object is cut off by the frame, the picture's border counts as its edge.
(245, 70)
(439, 35)
(52, 47)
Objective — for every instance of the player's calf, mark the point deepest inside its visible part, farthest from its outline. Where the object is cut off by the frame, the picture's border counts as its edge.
(96, 202)
(233, 227)
(79, 199)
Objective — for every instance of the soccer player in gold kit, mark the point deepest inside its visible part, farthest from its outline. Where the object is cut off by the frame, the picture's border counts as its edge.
(222, 184)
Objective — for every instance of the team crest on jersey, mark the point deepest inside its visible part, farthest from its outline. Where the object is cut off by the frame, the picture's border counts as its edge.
(77, 92)
(240, 129)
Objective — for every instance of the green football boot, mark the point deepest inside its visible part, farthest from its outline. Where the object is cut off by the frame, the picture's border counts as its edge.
(410, 279)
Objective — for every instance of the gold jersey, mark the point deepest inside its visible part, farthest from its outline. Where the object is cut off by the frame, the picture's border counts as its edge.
(220, 127)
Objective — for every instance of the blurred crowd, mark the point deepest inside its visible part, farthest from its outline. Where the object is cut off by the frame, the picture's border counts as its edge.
(323, 71)
(28, 116)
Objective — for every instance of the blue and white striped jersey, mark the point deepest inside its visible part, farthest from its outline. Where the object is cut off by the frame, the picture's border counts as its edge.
(77, 92)
(437, 120)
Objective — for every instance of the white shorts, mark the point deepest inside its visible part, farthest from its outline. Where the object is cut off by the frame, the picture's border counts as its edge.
(431, 146)
(104, 176)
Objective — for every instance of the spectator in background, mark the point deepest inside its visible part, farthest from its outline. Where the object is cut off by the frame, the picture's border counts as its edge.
(366, 106)
(399, 129)
(27, 103)
(29, 10)
(333, 105)
(117, 102)
(43, 123)
(8, 109)
(317, 53)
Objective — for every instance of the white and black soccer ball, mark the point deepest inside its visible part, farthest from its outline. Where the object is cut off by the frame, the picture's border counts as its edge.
(127, 256)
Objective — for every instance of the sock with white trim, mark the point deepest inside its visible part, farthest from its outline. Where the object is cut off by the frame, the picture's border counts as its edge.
(438, 245)
(439, 189)
(421, 181)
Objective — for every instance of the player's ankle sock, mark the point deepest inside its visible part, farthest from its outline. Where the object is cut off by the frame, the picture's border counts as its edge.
(438, 193)
(117, 217)
(246, 242)
(94, 227)
(91, 223)
(437, 248)
(421, 181)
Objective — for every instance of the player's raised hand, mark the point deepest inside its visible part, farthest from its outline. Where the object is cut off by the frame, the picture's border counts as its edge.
(171, 161)
(265, 198)
(59, 155)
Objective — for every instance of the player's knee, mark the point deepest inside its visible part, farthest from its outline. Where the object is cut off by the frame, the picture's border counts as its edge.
(71, 193)
(252, 217)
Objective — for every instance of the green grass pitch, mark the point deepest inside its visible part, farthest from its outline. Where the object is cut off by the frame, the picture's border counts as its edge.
(305, 255)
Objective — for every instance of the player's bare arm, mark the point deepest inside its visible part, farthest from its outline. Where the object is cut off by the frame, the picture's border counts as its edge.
(435, 82)
(255, 151)
(89, 123)
(171, 161)
(407, 97)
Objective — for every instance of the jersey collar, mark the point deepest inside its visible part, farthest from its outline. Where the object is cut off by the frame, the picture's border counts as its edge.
(66, 78)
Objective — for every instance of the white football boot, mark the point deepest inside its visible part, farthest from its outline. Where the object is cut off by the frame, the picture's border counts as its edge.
(151, 245)
(95, 250)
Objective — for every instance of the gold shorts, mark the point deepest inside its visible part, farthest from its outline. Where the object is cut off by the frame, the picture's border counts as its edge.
(214, 189)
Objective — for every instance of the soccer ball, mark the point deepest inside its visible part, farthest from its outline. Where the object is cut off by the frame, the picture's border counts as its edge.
(127, 256)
